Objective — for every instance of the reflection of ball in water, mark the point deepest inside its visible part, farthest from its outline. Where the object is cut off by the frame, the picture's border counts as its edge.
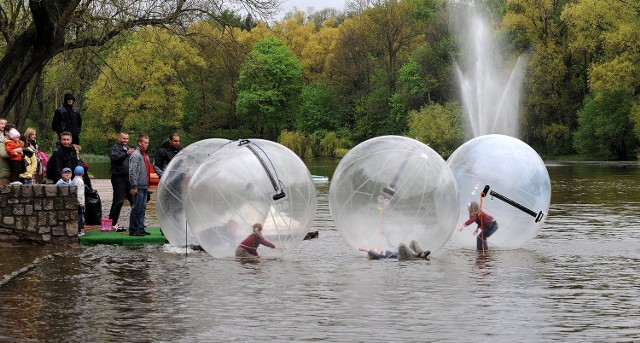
(514, 171)
(390, 190)
(249, 182)
(173, 188)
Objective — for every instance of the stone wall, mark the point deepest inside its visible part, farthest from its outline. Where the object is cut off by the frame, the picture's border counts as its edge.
(38, 214)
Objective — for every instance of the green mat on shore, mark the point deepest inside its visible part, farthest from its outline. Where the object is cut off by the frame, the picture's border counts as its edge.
(95, 236)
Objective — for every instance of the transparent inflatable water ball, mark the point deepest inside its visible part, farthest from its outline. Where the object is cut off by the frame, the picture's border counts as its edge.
(516, 184)
(172, 190)
(248, 182)
(390, 190)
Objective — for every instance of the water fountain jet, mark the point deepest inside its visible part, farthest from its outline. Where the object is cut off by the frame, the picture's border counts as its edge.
(490, 100)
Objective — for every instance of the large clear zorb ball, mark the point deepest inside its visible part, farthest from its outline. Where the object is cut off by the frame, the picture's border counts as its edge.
(248, 182)
(172, 190)
(516, 184)
(390, 190)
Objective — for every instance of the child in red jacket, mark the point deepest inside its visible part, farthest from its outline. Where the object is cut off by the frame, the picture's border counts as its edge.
(14, 150)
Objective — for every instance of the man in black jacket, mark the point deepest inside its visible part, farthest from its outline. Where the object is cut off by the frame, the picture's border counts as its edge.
(119, 155)
(67, 118)
(166, 152)
(65, 156)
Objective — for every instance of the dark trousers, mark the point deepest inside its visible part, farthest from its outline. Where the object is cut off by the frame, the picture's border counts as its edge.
(121, 190)
(80, 218)
(16, 169)
(138, 211)
(481, 240)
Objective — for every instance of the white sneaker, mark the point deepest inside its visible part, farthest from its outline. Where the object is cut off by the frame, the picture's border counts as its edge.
(80, 233)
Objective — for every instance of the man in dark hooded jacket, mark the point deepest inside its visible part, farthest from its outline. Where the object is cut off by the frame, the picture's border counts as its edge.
(67, 118)
(166, 152)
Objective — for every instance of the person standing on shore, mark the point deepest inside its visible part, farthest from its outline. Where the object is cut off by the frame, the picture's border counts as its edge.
(3, 123)
(79, 182)
(5, 171)
(119, 155)
(67, 118)
(66, 156)
(167, 151)
(139, 175)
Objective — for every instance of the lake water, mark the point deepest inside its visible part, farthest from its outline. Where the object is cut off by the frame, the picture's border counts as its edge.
(577, 281)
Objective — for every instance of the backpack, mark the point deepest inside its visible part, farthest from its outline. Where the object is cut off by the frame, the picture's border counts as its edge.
(92, 207)
(40, 174)
(50, 171)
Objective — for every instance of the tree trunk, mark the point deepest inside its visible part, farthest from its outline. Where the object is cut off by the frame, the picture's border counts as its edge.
(28, 54)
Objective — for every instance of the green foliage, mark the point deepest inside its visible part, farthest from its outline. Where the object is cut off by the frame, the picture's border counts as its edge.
(372, 116)
(269, 88)
(428, 75)
(375, 72)
(142, 90)
(546, 96)
(398, 113)
(635, 118)
(607, 34)
(313, 146)
(558, 139)
(331, 144)
(295, 141)
(604, 126)
(439, 126)
(319, 110)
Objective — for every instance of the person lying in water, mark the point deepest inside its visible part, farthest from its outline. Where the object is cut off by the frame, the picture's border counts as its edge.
(405, 253)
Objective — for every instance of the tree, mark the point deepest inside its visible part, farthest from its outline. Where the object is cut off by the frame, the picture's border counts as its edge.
(319, 110)
(269, 88)
(143, 89)
(295, 32)
(439, 126)
(394, 33)
(48, 28)
(428, 75)
(318, 50)
(211, 97)
(553, 87)
(367, 55)
(604, 126)
(607, 34)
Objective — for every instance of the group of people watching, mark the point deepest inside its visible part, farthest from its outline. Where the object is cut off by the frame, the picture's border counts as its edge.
(21, 162)
(130, 176)
(18, 156)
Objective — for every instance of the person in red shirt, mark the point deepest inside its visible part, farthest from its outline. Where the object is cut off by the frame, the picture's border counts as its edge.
(486, 224)
(247, 250)
(14, 150)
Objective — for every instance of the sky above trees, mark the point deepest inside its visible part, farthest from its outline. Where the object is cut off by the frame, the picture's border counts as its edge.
(317, 5)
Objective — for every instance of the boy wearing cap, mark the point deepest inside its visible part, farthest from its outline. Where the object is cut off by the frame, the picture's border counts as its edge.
(13, 148)
(65, 180)
(78, 181)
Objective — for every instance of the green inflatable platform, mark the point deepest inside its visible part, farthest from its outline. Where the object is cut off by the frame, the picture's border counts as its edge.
(95, 236)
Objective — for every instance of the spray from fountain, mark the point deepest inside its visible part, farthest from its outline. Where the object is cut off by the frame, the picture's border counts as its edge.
(490, 97)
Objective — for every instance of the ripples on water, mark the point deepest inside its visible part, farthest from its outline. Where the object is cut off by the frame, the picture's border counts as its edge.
(577, 281)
